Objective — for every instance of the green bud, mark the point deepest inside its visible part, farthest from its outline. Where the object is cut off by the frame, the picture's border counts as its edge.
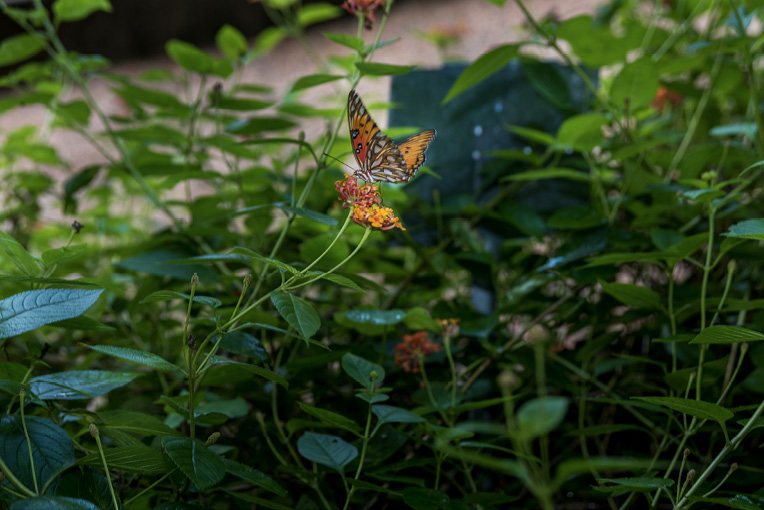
(93, 430)
(213, 438)
(194, 281)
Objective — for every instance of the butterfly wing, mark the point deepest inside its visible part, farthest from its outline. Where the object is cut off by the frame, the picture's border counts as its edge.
(378, 158)
(413, 150)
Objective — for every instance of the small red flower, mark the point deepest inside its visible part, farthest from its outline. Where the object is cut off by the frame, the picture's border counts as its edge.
(412, 349)
(363, 8)
(353, 194)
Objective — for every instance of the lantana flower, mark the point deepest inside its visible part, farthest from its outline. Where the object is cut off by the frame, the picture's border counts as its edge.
(363, 8)
(366, 206)
(450, 326)
(414, 348)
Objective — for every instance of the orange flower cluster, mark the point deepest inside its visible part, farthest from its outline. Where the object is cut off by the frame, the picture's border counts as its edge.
(664, 97)
(412, 349)
(366, 205)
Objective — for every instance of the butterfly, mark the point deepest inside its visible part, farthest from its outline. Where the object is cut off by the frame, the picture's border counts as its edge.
(378, 157)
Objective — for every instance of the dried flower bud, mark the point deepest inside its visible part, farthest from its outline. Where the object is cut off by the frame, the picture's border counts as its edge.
(93, 430)
(194, 281)
(686, 453)
(213, 438)
(743, 349)
(301, 136)
(536, 334)
(22, 392)
(77, 226)
(247, 282)
(733, 467)
(191, 342)
(690, 475)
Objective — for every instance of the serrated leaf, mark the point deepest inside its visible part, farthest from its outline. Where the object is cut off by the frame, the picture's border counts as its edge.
(697, 408)
(197, 462)
(329, 451)
(166, 295)
(726, 335)
(52, 448)
(636, 484)
(299, 314)
(392, 414)
(254, 369)
(136, 458)
(78, 384)
(32, 309)
(254, 476)
(12, 249)
(748, 229)
(360, 370)
(138, 423)
(331, 418)
(635, 85)
(144, 358)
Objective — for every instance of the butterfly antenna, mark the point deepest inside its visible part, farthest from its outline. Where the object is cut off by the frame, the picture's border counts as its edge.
(350, 167)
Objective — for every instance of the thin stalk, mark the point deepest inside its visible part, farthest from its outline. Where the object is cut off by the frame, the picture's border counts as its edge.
(703, 291)
(22, 395)
(94, 432)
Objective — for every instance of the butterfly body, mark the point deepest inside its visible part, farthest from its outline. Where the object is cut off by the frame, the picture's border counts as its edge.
(377, 155)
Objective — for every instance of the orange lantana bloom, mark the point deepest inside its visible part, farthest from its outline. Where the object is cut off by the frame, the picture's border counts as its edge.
(412, 349)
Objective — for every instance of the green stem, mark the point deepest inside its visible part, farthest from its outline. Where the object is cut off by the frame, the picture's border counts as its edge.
(144, 491)
(22, 395)
(97, 436)
(452, 367)
(734, 443)
(703, 291)
(344, 261)
(366, 437)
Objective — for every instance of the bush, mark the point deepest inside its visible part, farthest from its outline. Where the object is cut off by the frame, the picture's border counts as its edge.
(253, 347)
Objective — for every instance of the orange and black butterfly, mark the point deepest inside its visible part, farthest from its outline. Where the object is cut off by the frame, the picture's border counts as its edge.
(378, 157)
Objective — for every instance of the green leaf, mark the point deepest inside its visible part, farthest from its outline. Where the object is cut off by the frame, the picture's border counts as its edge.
(360, 370)
(52, 448)
(226, 102)
(63, 254)
(376, 317)
(540, 416)
(748, 129)
(571, 467)
(376, 69)
(582, 132)
(549, 173)
(748, 229)
(257, 125)
(53, 503)
(166, 295)
(135, 422)
(726, 335)
(332, 418)
(636, 484)
(135, 458)
(329, 451)
(419, 318)
(311, 215)
(314, 80)
(576, 217)
(548, 83)
(702, 196)
(597, 46)
(351, 41)
(254, 476)
(231, 42)
(486, 65)
(637, 83)
(299, 314)
(392, 414)
(198, 463)
(78, 384)
(18, 48)
(420, 498)
(239, 342)
(21, 258)
(361, 485)
(739, 502)
(633, 295)
(32, 309)
(253, 369)
(75, 10)
(602, 430)
(697, 408)
(316, 13)
(268, 39)
(148, 359)
(191, 58)
(273, 262)
(533, 135)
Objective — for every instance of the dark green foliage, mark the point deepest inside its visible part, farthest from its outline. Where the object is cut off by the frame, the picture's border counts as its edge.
(574, 321)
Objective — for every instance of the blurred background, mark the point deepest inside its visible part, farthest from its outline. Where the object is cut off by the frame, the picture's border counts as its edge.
(429, 32)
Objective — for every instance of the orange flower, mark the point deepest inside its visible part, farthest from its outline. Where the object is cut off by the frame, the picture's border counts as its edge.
(363, 8)
(412, 349)
(376, 216)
